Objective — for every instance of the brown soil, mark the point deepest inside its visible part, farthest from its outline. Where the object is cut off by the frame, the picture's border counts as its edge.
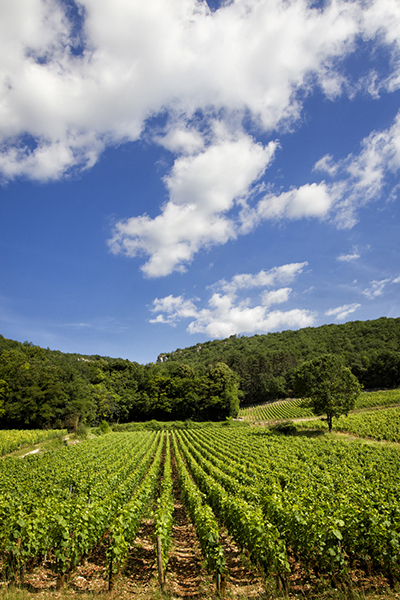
(186, 575)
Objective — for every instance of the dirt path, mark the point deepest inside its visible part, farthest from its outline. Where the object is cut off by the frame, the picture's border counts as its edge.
(186, 576)
(243, 578)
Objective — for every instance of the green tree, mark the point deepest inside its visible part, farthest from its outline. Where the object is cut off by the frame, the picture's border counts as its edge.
(3, 393)
(223, 392)
(327, 387)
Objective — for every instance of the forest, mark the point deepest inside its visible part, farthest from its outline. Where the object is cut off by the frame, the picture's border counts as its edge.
(43, 388)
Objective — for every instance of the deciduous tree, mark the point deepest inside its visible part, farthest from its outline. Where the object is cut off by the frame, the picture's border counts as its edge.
(327, 386)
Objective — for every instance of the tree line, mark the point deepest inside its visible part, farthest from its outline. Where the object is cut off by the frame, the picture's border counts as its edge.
(45, 388)
(266, 364)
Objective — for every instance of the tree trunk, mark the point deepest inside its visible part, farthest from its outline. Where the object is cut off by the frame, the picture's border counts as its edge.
(329, 419)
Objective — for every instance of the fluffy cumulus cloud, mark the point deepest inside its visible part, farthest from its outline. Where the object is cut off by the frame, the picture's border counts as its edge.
(75, 78)
(276, 275)
(203, 188)
(310, 200)
(227, 312)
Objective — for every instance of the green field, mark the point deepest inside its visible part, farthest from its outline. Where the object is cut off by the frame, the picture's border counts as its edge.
(312, 508)
(383, 424)
(15, 439)
(291, 409)
(275, 411)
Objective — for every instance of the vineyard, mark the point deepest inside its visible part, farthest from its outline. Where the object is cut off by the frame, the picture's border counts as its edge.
(14, 439)
(379, 425)
(275, 411)
(292, 409)
(310, 512)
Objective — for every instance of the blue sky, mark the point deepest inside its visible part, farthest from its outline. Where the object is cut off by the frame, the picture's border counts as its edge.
(174, 171)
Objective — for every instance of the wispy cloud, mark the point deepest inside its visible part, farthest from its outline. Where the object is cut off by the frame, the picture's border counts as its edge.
(349, 257)
(361, 178)
(376, 288)
(341, 312)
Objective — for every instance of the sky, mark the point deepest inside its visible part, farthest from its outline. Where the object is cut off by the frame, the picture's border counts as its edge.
(177, 171)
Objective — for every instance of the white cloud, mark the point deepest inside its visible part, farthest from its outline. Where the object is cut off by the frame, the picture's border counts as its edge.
(275, 297)
(326, 164)
(226, 314)
(362, 178)
(376, 288)
(203, 187)
(310, 200)
(358, 179)
(224, 318)
(181, 140)
(140, 59)
(207, 73)
(174, 308)
(341, 312)
(383, 19)
(349, 257)
(276, 275)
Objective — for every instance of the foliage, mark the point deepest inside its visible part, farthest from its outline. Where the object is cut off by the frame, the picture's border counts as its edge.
(293, 409)
(381, 424)
(202, 516)
(64, 501)
(265, 363)
(333, 505)
(15, 439)
(327, 386)
(163, 517)
(328, 500)
(286, 428)
(274, 411)
(42, 388)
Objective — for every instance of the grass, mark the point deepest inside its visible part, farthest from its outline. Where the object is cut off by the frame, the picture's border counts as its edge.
(14, 593)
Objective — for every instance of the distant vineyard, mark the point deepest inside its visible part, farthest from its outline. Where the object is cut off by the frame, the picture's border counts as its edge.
(317, 503)
(291, 409)
(14, 439)
(380, 398)
(381, 424)
(275, 411)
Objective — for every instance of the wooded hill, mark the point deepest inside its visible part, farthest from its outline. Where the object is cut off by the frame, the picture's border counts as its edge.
(45, 388)
(266, 363)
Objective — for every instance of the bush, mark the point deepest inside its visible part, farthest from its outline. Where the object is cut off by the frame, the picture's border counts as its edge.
(81, 431)
(288, 428)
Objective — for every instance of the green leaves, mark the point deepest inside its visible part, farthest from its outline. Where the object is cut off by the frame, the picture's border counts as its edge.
(163, 518)
(327, 386)
(202, 517)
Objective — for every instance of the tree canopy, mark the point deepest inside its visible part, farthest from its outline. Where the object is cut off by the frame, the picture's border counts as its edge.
(266, 363)
(327, 386)
(41, 387)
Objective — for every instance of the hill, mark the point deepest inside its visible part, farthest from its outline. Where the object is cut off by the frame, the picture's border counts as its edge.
(45, 388)
(265, 363)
